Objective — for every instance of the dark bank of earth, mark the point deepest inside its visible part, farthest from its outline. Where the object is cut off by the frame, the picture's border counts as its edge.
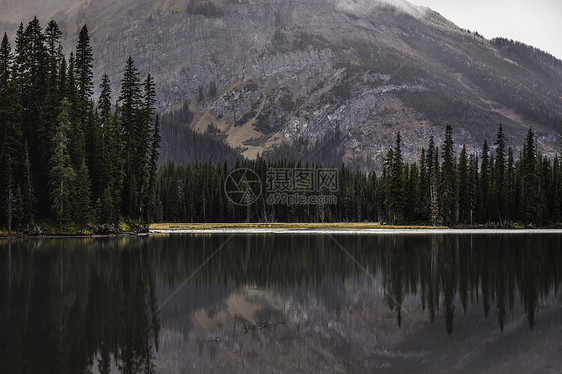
(123, 229)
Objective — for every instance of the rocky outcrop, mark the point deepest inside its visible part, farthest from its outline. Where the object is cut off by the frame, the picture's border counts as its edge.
(294, 68)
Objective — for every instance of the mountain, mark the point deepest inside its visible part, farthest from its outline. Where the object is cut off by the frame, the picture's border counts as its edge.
(269, 73)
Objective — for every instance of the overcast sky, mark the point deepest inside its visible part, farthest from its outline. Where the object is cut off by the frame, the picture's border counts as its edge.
(534, 22)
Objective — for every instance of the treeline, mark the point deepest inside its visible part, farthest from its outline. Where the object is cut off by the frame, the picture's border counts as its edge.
(181, 144)
(512, 92)
(327, 150)
(540, 62)
(495, 187)
(63, 159)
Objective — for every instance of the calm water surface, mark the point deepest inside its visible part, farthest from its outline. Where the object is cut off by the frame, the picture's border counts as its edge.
(270, 303)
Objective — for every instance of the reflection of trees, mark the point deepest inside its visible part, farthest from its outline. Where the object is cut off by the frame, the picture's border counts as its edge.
(77, 303)
(442, 270)
(70, 304)
(479, 269)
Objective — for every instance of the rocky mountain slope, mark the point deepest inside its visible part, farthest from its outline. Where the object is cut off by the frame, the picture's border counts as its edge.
(293, 69)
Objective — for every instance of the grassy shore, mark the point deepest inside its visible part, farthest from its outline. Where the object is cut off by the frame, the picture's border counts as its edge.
(281, 225)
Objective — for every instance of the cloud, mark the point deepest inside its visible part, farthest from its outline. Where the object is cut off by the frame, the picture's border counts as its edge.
(361, 7)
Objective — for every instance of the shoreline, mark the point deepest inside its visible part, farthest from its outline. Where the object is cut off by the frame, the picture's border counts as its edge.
(290, 228)
(392, 231)
(71, 236)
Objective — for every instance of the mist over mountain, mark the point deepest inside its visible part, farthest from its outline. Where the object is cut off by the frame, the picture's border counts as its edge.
(265, 73)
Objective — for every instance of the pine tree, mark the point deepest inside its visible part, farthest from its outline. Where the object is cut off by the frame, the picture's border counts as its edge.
(53, 36)
(10, 133)
(557, 203)
(448, 179)
(462, 183)
(153, 167)
(51, 108)
(18, 216)
(104, 104)
(62, 174)
(434, 181)
(84, 67)
(108, 141)
(9, 193)
(413, 193)
(114, 147)
(529, 188)
(424, 185)
(77, 145)
(130, 101)
(397, 183)
(30, 77)
(28, 193)
(499, 176)
(472, 187)
(81, 198)
(387, 202)
(510, 190)
(484, 185)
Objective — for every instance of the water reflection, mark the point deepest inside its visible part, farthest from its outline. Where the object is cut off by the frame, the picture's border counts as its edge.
(288, 302)
(69, 305)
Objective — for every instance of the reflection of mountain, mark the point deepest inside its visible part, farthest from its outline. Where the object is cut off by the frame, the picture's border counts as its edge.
(437, 269)
(289, 302)
(327, 314)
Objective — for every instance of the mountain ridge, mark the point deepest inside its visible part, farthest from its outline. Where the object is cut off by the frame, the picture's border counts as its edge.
(286, 70)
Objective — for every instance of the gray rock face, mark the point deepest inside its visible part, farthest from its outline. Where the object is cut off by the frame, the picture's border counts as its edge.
(289, 69)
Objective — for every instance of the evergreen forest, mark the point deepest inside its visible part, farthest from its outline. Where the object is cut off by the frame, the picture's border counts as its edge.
(65, 160)
(74, 163)
(494, 187)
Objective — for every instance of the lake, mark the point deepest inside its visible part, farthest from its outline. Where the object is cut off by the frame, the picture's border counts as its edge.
(278, 303)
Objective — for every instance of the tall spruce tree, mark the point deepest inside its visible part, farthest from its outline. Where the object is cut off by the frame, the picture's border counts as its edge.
(448, 179)
(529, 188)
(53, 36)
(144, 135)
(153, 168)
(435, 217)
(463, 187)
(113, 145)
(472, 187)
(484, 184)
(511, 200)
(84, 66)
(386, 193)
(499, 177)
(81, 198)
(130, 102)
(77, 145)
(31, 80)
(398, 182)
(424, 184)
(10, 134)
(62, 174)
(557, 202)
